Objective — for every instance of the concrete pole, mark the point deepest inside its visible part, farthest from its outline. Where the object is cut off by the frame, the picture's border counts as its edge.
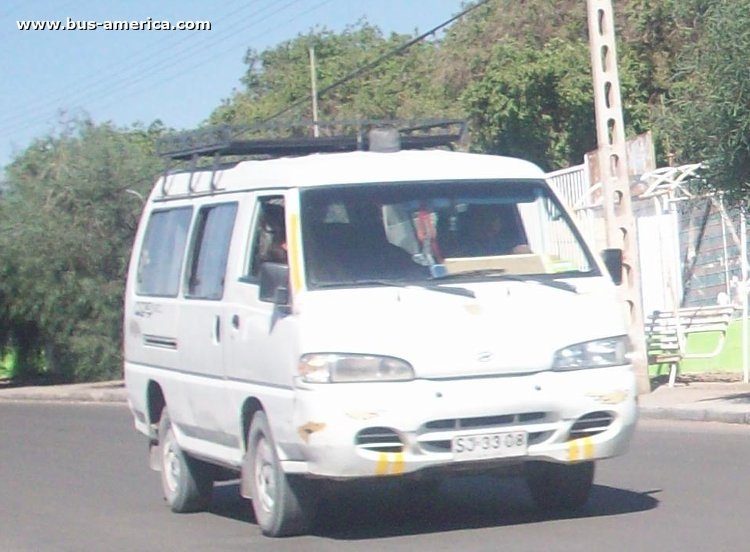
(613, 171)
(314, 87)
(744, 267)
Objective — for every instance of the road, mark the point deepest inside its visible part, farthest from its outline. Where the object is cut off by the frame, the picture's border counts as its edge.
(75, 478)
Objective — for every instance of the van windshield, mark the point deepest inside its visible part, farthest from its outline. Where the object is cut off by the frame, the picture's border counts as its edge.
(416, 231)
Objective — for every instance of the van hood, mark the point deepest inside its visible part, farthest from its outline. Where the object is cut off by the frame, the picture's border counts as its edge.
(508, 327)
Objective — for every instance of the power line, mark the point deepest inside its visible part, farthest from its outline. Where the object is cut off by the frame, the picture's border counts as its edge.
(368, 66)
(120, 83)
(103, 84)
(212, 55)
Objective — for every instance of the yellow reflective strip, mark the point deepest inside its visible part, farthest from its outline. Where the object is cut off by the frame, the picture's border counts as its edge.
(398, 463)
(381, 468)
(588, 448)
(295, 259)
(573, 450)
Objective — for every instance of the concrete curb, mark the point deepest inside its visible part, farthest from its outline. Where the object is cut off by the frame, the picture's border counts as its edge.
(100, 392)
(694, 414)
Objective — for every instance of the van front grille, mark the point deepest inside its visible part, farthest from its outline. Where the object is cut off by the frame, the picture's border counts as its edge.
(591, 424)
(379, 439)
(437, 435)
(484, 422)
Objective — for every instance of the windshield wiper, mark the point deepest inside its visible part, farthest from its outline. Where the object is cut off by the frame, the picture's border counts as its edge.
(559, 284)
(500, 274)
(484, 272)
(464, 292)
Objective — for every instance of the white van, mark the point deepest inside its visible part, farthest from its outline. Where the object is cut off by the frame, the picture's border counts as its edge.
(404, 315)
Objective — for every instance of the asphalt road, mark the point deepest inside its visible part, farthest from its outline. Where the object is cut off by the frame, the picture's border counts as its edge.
(75, 478)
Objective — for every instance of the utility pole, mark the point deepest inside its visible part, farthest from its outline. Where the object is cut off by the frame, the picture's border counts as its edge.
(314, 87)
(613, 171)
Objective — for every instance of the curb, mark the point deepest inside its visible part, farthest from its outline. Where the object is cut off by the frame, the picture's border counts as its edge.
(101, 392)
(689, 414)
(81, 397)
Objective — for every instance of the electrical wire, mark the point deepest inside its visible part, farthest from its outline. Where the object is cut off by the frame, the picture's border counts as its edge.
(210, 56)
(100, 83)
(118, 83)
(371, 65)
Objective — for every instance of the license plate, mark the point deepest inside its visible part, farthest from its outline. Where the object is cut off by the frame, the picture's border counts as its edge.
(490, 445)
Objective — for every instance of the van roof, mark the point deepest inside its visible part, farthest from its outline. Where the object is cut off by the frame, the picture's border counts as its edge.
(345, 168)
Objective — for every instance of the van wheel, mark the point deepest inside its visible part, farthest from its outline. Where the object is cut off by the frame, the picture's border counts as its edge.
(283, 504)
(186, 483)
(559, 486)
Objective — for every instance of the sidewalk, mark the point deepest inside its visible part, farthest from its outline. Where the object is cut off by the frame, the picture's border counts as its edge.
(106, 391)
(703, 401)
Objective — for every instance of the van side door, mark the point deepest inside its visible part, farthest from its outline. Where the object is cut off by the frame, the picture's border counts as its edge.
(153, 299)
(202, 328)
(261, 345)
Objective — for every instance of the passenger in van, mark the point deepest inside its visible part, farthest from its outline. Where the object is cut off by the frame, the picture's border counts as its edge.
(372, 255)
(357, 249)
(272, 246)
(493, 230)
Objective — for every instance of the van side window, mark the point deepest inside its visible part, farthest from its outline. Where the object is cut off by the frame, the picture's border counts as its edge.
(209, 251)
(160, 263)
(269, 234)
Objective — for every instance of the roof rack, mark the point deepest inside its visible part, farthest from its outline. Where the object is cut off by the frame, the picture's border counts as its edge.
(338, 136)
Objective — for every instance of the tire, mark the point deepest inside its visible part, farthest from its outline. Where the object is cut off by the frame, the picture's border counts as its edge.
(186, 483)
(283, 504)
(556, 487)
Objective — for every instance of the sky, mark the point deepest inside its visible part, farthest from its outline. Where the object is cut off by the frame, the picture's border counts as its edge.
(177, 76)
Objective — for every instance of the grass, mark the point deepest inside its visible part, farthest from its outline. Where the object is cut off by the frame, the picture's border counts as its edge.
(729, 360)
(8, 365)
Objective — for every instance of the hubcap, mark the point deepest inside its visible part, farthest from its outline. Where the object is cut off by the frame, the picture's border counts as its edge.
(265, 475)
(170, 465)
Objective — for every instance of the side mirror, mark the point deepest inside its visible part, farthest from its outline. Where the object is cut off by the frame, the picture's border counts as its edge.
(613, 261)
(274, 283)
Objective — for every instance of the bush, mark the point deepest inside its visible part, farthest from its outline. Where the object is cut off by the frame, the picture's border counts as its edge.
(69, 216)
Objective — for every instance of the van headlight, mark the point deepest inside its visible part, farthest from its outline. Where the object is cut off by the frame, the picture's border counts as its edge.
(600, 353)
(337, 368)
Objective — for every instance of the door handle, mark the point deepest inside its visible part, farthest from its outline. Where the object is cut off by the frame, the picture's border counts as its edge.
(217, 329)
(236, 322)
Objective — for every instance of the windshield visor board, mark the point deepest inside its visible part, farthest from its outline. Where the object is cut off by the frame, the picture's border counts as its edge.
(415, 231)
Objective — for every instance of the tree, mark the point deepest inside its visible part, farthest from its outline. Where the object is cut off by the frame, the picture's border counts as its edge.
(68, 218)
(522, 73)
(518, 70)
(402, 86)
(710, 104)
(534, 103)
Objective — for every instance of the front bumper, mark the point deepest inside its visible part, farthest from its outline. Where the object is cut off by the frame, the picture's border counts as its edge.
(382, 429)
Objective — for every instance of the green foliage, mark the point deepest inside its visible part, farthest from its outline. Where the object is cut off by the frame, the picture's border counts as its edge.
(519, 70)
(711, 97)
(68, 217)
(402, 86)
(469, 43)
(522, 71)
(534, 103)
(8, 364)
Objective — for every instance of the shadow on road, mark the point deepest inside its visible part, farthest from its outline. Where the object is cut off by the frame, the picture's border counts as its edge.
(360, 512)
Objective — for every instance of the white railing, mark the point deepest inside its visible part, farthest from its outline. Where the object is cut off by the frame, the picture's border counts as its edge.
(574, 190)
